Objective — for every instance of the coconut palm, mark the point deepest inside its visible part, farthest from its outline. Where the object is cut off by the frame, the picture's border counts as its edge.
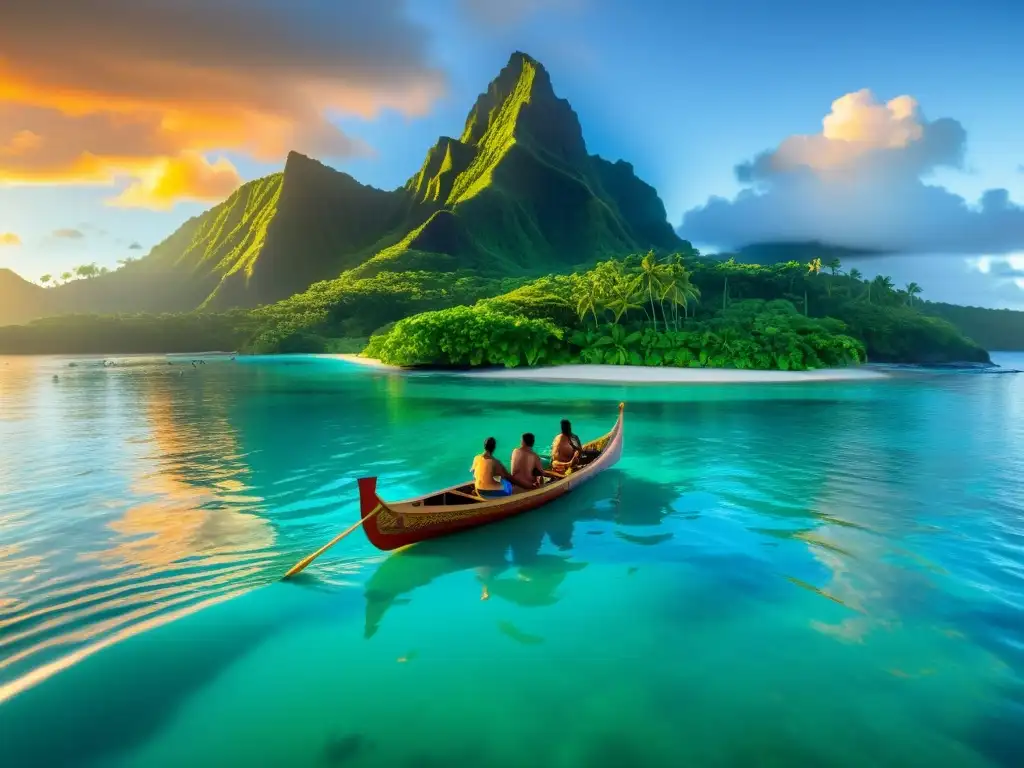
(65, 276)
(651, 278)
(913, 289)
(814, 267)
(882, 285)
(45, 279)
(678, 291)
(589, 300)
(834, 266)
(625, 295)
(855, 276)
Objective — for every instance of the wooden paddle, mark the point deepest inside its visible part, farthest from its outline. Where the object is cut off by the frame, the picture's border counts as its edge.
(304, 562)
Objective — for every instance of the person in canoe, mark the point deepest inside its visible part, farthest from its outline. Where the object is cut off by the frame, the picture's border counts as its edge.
(566, 449)
(526, 464)
(490, 478)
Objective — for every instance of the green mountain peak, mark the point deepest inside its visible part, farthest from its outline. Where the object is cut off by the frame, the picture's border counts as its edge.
(515, 194)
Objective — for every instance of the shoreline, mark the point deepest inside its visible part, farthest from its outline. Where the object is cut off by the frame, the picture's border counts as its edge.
(366, 362)
(636, 374)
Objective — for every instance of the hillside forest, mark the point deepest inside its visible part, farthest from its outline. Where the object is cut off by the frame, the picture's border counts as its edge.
(510, 245)
(679, 308)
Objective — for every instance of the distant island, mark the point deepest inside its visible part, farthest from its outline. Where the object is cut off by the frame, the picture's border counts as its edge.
(511, 245)
(684, 310)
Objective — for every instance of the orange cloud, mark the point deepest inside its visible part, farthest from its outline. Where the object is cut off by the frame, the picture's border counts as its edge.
(189, 176)
(9, 239)
(21, 142)
(157, 88)
(68, 233)
(857, 126)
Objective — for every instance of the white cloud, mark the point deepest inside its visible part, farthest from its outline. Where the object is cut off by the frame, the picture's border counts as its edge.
(860, 183)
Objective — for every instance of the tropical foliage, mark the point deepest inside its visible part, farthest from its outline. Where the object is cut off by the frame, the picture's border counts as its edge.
(677, 309)
(994, 329)
(643, 310)
(127, 334)
(465, 336)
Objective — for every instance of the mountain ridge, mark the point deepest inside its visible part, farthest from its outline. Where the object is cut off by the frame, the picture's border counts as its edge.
(516, 193)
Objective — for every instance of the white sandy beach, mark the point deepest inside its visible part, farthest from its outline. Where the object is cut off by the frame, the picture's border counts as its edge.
(366, 362)
(628, 374)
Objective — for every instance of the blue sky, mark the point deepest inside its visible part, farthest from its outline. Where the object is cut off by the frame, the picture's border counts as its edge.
(683, 90)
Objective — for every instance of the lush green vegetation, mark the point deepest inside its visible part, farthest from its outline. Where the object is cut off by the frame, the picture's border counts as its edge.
(517, 195)
(468, 238)
(994, 329)
(684, 310)
(681, 309)
(330, 317)
(128, 334)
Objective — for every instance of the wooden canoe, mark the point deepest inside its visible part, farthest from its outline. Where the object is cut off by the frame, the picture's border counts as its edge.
(390, 525)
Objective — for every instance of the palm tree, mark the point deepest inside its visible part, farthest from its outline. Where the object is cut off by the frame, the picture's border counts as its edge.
(589, 300)
(855, 276)
(814, 267)
(651, 279)
(913, 289)
(626, 295)
(65, 276)
(45, 279)
(883, 284)
(834, 266)
(678, 291)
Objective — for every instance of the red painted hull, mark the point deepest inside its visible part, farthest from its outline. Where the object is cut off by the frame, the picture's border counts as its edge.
(393, 525)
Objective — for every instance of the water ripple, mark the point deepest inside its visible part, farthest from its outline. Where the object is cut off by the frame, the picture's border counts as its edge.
(887, 516)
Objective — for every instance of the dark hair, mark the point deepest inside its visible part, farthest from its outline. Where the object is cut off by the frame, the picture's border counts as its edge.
(528, 439)
(566, 428)
(490, 444)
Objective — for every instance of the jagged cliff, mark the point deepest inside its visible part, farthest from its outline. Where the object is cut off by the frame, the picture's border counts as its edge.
(517, 193)
(518, 190)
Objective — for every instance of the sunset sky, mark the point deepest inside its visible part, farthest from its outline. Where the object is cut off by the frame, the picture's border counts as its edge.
(892, 124)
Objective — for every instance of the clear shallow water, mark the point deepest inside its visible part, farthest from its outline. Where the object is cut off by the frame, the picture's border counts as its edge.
(830, 574)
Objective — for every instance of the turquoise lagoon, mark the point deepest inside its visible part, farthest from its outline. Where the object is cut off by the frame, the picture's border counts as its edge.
(828, 574)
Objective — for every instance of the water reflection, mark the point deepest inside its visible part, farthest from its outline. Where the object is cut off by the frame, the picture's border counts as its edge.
(814, 563)
(152, 511)
(506, 557)
(197, 503)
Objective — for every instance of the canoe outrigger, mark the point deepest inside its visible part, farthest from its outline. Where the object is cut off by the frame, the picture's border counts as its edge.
(390, 525)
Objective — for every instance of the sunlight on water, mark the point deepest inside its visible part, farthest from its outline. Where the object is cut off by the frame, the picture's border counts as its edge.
(772, 575)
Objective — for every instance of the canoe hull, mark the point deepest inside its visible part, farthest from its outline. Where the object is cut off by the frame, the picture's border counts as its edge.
(392, 525)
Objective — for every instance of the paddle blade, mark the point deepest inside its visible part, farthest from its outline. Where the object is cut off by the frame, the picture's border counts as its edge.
(300, 566)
